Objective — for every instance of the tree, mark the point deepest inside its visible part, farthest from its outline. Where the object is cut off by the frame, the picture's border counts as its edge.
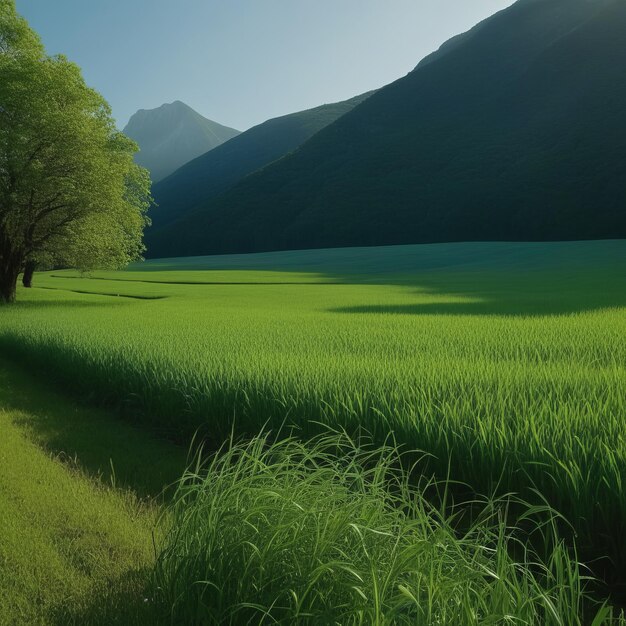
(70, 192)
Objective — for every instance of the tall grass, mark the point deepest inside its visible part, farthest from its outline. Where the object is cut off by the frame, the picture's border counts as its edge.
(509, 380)
(333, 532)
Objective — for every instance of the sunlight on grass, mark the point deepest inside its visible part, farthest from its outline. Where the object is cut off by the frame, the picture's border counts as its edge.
(74, 549)
(508, 370)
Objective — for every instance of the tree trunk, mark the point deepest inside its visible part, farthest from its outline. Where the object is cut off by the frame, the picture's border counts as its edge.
(11, 263)
(8, 282)
(29, 270)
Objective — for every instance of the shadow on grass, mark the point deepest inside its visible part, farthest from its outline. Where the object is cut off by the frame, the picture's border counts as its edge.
(121, 602)
(66, 303)
(88, 439)
(480, 278)
(504, 294)
(107, 294)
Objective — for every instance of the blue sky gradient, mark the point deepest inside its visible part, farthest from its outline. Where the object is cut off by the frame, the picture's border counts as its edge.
(240, 62)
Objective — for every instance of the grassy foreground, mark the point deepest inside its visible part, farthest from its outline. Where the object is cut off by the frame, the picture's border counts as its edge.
(74, 548)
(335, 532)
(503, 362)
(290, 532)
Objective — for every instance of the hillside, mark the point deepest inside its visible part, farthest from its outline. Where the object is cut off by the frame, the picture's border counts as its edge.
(212, 173)
(173, 135)
(513, 131)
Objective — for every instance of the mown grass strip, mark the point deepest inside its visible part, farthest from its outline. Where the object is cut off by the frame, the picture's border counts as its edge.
(77, 509)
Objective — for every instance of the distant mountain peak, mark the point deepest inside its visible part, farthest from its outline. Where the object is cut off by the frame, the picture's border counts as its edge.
(173, 134)
(177, 104)
(211, 174)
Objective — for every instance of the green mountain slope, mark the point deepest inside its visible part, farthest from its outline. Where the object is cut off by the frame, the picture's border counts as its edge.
(173, 135)
(214, 172)
(514, 131)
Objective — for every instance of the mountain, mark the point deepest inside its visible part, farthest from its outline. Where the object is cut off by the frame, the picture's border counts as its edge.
(212, 173)
(173, 135)
(514, 131)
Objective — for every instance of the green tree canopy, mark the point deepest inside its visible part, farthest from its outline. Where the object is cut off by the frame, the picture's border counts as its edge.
(70, 192)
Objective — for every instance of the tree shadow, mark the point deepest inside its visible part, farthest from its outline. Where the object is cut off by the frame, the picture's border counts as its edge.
(106, 294)
(65, 303)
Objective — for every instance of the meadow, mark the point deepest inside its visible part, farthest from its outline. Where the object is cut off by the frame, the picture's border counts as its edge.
(503, 363)
(80, 497)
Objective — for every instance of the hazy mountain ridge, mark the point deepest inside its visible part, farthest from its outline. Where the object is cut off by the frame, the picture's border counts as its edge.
(207, 176)
(513, 134)
(172, 135)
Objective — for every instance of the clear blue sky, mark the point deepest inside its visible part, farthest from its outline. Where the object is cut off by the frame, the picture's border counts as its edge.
(240, 62)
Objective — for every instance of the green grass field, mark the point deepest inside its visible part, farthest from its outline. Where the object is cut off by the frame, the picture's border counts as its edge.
(506, 363)
(80, 492)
